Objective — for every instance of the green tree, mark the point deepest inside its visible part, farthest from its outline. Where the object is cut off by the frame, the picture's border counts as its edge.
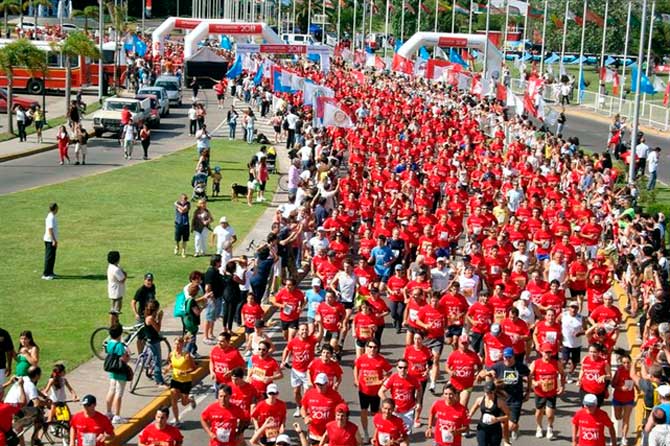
(36, 4)
(19, 53)
(74, 45)
(7, 7)
(89, 12)
(117, 15)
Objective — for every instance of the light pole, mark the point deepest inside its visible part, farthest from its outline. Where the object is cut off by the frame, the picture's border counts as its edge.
(101, 32)
(636, 109)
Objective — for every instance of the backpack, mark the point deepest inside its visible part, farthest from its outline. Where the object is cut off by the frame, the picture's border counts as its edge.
(113, 363)
(180, 305)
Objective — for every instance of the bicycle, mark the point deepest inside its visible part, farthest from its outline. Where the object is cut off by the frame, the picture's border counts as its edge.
(146, 362)
(282, 182)
(47, 432)
(100, 338)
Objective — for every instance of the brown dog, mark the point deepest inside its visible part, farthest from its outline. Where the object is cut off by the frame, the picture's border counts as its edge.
(237, 190)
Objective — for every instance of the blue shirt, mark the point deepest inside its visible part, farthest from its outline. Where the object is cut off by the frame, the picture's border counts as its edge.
(179, 218)
(382, 256)
(313, 301)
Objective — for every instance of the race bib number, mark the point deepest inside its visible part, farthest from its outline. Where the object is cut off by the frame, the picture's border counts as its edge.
(372, 380)
(495, 354)
(550, 337)
(447, 436)
(499, 316)
(258, 374)
(383, 438)
(476, 230)
(628, 384)
(487, 418)
(413, 314)
(363, 280)
(88, 439)
(365, 332)
(223, 435)
(547, 385)
(314, 306)
(288, 309)
(545, 244)
(271, 433)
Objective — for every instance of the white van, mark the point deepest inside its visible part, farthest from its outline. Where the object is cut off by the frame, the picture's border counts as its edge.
(298, 39)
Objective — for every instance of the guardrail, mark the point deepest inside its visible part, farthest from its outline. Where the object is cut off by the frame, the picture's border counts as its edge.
(653, 115)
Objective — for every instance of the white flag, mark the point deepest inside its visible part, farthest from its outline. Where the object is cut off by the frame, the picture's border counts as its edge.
(659, 85)
(513, 101)
(312, 91)
(334, 114)
(297, 82)
(440, 54)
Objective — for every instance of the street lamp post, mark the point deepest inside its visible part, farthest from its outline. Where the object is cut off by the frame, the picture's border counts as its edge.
(101, 32)
(636, 109)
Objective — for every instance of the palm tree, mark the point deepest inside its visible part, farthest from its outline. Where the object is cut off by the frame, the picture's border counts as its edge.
(117, 15)
(36, 6)
(89, 12)
(7, 6)
(19, 53)
(74, 45)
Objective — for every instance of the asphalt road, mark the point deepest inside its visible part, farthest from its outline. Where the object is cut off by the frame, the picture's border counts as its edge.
(392, 349)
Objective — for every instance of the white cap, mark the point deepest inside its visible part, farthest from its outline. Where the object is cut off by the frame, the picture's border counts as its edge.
(663, 390)
(283, 438)
(321, 378)
(441, 259)
(525, 295)
(590, 400)
(223, 220)
(272, 388)
(316, 281)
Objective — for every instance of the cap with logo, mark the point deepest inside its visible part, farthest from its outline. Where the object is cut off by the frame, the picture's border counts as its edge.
(272, 389)
(283, 439)
(321, 378)
(88, 400)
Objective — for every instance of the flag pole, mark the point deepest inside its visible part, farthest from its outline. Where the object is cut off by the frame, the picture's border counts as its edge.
(565, 31)
(486, 40)
(622, 84)
(372, 5)
(636, 109)
(323, 23)
(353, 37)
(651, 33)
(544, 35)
(506, 30)
(470, 18)
(525, 29)
(453, 16)
(418, 17)
(386, 27)
(339, 12)
(279, 16)
(363, 26)
(581, 55)
(309, 15)
(293, 13)
(402, 21)
(601, 90)
(437, 4)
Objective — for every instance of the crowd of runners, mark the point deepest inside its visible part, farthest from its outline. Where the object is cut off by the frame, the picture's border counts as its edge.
(500, 250)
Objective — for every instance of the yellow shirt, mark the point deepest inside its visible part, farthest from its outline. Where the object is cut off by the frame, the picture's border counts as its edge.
(181, 366)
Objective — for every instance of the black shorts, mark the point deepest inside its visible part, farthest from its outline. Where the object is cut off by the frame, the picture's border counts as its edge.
(600, 396)
(181, 233)
(454, 330)
(348, 305)
(328, 335)
(220, 97)
(577, 293)
(514, 410)
(542, 402)
(571, 354)
(183, 387)
(285, 325)
(368, 401)
(249, 330)
(361, 343)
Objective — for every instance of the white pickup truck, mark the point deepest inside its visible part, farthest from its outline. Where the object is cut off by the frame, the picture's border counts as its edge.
(108, 119)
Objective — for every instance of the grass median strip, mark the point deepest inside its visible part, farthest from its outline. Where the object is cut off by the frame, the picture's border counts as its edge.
(129, 210)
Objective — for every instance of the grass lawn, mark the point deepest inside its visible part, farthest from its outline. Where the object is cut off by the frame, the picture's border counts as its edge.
(129, 210)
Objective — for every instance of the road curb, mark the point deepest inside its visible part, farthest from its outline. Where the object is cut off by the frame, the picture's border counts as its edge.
(581, 112)
(13, 156)
(127, 431)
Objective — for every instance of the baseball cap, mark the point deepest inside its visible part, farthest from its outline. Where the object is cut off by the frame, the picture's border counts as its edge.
(663, 390)
(283, 438)
(320, 228)
(590, 400)
(149, 276)
(663, 328)
(495, 328)
(316, 281)
(321, 378)
(525, 295)
(272, 388)
(342, 407)
(573, 303)
(223, 220)
(441, 259)
(88, 400)
(398, 267)
(546, 347)
(508, 352)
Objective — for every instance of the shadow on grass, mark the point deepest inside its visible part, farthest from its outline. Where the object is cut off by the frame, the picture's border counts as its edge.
(81, 277)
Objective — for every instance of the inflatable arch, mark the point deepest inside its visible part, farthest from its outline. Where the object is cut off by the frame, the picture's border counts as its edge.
(449, 40)
(229, 28)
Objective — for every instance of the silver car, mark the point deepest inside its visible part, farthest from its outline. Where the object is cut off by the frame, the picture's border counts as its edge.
(172, 86)
(162, 96)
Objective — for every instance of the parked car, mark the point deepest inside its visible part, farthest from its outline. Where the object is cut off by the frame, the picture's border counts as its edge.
(154, 119)
(26, 103)
(162, 97)
(298, 39)
(108, 119)
(70, 27)
(172, 86)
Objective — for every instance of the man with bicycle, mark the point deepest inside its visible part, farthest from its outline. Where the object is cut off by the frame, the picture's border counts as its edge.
(29, 401)
(90, 427)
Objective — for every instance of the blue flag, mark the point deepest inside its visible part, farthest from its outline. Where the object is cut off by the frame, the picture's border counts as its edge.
(225, 43)
(609, 61)
(423, 53)
(454, 57)
(645, 84)
(235, 70)
(398, 44)
(258, 79)
(582, 86)
(552, 59)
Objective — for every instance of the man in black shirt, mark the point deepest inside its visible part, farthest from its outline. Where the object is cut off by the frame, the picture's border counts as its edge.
(513, 377)
(144, 294)
(214, 284)
(6, 356)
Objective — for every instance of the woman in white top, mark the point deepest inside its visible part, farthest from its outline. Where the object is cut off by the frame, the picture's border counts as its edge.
(556, 269)
(344, 284)
(254, 340)
(470, 284)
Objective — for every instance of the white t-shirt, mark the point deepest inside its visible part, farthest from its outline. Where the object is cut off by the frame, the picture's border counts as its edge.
(116, 284)
(224, 238)
(305, 153)
(347, 286)
(652, 161)
(128, 132)
(526, 313)
(291, 120)
(440, 278)
(570, 325)
(642, 150)
(317, 243)
(14, 394)
(50, 223)
(514, 198)
(557, 271)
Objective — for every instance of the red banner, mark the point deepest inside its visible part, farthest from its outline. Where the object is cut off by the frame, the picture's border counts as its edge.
(235, 28)
(452, 42)
(284, 49)
(186, 23)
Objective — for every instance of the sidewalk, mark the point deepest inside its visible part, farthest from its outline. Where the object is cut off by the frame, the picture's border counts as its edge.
(13, 149)
(139, 408)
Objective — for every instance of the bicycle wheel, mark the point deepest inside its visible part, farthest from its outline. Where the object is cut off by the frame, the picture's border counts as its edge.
(55, 432)
(283, 183)
(137, 372)
(98, 342)
(165, 352)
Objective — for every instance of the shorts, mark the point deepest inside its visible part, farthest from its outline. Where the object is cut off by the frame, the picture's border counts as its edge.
(576, 293)
(348, 305)
(407, 419)
(328, 335)
(542, 257)
(361, 343)
(249, 330)
(116, 304)
(117, 387)
(573, 354)
(285, 325)
(181, 232)
(299, 379)
(183, 387)
(600, 396)
(213, 309)
(434, 344)
(220, 97)
(454, 330)
(369, 401)
(127, 144)
(39, 125)
(541, 402)
(514, 410)
(616, 403)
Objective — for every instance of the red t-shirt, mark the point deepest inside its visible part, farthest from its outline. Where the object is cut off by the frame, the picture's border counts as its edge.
(455, 306)
(341, 436)
(622, 383)
(302, 352)
(364, 326)
(332, 370)
(591, 427)
(394, 287)
(546, 373)
(225, 360)
(551, 334)
(260, 369)
(250, 314)
(403, 391)
(276, 411)
(516, 330)
(90, 426)
(482, 316)
(223, 422)
(388, 431)
(417, 361)
(447, 420)
(293, 302)
(331, 316)
(464, 366)
(494, 347)
(592, 372)
(371, 372)
(168, 436)
(434, 318)
(553, 301)
(243, 397)
(320, 407)
(605, 314)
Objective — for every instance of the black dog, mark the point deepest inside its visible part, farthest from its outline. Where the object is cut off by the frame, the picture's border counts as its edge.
(237, 190)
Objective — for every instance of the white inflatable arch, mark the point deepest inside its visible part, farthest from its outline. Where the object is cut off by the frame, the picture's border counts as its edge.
(450, 40)
(165, 28)
(224, 26)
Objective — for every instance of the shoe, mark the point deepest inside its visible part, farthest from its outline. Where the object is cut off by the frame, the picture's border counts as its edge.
(175, 423)
(83, 163)
(514, 435)
(210, 341)
(118, 420)
(176, 251)
(296, 414)
(550, 434)
(145, 158)
(61, 163)
(76, 163)
(109, 415)
(48, 277)
(431, 387)
(163, 385)
(183, 253)
(538, 432)
(192, 402)
(624, 441)
(417, 424)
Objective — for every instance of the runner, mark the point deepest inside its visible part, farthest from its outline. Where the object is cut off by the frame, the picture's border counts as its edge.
(289, 300)
(341, 431)
(448, 419)
(318, 407)
(589, 424)
(301, 350)
(389, 428)
(223, 422)
(406, 393)
(90, 427)
(160, 433)
(548, 382)
(271, 414)
(463, 365)
(370, 370)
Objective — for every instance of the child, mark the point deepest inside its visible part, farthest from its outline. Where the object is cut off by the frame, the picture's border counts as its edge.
(56, 390)
(255, 339)
(216, 181)
(251, 313)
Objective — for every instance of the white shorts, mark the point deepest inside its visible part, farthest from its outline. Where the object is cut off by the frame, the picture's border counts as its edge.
(407, 419)
(299, 379)
(117, 387)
